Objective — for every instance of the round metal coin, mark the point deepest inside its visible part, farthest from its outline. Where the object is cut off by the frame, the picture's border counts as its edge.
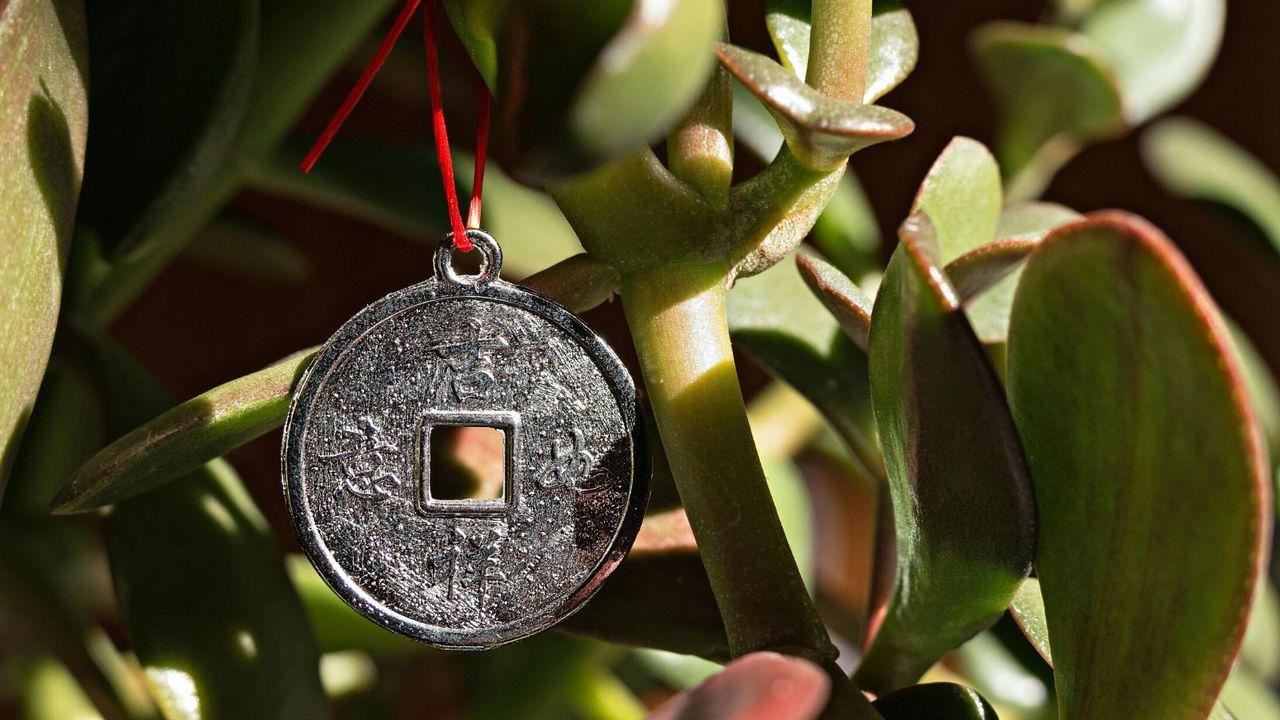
(465, 572)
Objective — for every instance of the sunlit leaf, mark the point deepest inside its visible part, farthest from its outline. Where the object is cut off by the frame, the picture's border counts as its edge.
(821, 131)
(1140, 446)
(962, 197)
(847, 302)
(964, 514)
(1160, 49)
(987, 277)
(43, 119)
(895, 46)
(185, 437)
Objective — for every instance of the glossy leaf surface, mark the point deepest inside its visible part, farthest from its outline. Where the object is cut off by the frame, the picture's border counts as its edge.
(1050, 86)
(43, 118)
(1141, 444)
(935, 700)
(847, 302)
(895, 45)
(152, 150)
(963, 510)
(821, 131)
(1160, 49)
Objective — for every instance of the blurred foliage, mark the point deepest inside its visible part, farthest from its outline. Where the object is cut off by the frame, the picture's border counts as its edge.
(1027, 424)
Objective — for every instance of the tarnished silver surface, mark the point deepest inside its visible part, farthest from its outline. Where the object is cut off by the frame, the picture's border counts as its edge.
(471, 351)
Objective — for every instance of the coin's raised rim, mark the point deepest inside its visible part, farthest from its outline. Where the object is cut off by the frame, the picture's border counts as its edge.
(615, 374)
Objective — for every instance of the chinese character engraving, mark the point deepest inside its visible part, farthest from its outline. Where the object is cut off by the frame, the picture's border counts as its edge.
(364, 467)
(465, 367)
(571, 465)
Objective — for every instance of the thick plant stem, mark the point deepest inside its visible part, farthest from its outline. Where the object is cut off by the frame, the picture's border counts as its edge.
(700, 147)
(840, 48)
(677, 318)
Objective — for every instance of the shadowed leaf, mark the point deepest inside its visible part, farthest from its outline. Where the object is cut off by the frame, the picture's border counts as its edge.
(847, 232)
(784, 327)
(42, 142)
(759, 686)
(821, 131)
(1053, 90)
(1141, 444)
(963, 510)
(586, 82)
(152, 149)
(251, 652)
(933, 701)
(659, 597)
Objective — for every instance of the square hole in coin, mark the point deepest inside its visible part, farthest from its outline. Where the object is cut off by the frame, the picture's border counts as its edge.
(467, 464)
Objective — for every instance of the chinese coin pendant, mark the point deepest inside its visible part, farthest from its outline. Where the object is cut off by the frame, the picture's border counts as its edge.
(458, 351)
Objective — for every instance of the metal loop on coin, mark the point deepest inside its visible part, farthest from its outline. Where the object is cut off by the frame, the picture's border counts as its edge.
(490, 259)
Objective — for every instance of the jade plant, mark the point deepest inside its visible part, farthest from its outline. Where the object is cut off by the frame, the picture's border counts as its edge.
(1012, 462)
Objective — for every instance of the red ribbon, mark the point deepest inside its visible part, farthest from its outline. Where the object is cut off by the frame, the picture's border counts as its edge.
(439, 131)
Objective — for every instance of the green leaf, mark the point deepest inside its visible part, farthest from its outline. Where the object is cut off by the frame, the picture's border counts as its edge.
(1192, 159)
(1053, 91)
(302, 42)
(243, 248)
(987, 277)
(786, 329)
(66, 428)
(587, 82)
(1140, 445)
(847, 232)
(847, 302)
(895, 45)
(50, 692)
(207, 604)
(935, 700)
(1247, 696)
(475, 24)
(999, 675)
(1260, 653)
(964, 514)
(176, 442)
(153, 148)
(182, 439)
(1160, 49)
(337, 625)
(962, 197)
(1027, 609)
(821, 131)
(43, 119)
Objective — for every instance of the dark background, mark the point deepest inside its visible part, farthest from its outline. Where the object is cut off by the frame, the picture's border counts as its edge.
(198, 326)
